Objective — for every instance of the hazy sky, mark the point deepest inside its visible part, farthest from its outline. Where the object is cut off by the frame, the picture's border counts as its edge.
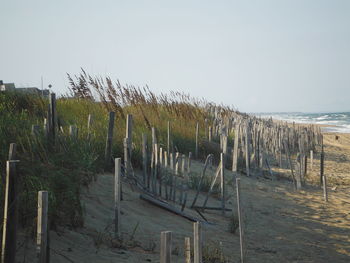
(259, 55)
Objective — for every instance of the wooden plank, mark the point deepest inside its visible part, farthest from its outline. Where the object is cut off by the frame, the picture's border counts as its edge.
(109, 140)
(240, 216)
(187, 250)
(207, 160)
(9, 233)
(165, 246)
(197, 242)
(42, 228)
(166, 206)
(117, 197)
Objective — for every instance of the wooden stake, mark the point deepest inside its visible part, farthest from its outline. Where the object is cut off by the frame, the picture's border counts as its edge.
(109, 140)
(43, 251)
(189, 162)
(168, 141)
(311, 159)
(197, 134)
(235, 151)
(197, 242)
(325, 192)
(239, 210)
(9, 233)
(145, 161)
(165, 246)
(187, 250)
(222, 181)
(117, 197)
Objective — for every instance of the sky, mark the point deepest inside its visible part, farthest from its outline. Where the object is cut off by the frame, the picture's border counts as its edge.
(258, 56)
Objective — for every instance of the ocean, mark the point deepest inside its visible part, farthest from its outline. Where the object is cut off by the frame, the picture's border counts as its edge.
(340, 121)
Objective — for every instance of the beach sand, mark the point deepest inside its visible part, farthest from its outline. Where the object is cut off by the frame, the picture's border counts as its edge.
(280, 224)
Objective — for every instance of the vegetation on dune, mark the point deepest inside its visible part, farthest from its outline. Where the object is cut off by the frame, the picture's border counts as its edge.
(73, 162)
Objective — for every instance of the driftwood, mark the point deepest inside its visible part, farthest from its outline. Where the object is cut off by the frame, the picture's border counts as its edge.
(166, 206)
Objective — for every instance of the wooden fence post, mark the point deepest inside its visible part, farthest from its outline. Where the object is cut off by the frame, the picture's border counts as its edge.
(222, 181)
(189, 162)
(126, 156)
(73, 131)
(146, 180)
(235, 150)
(325, 192)
(9, 234)
(35, 130)
(168, 141)
(187, 250)
(109, 141)
(197, 133)
(43, 250)
(117, 197)
(239, 210)
(197, 242)
(165, 246)
(311, 159)
(52, 117)
(322, 165)
(89, 123)
(247, 150)
(12, 151)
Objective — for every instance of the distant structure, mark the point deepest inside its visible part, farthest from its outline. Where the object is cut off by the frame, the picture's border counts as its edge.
(30, 90)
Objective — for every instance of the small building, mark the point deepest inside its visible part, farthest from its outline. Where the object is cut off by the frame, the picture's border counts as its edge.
(30, 90)
(7, 86)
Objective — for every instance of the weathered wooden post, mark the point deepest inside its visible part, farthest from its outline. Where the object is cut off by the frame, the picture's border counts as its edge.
(197, 134)
(311, 159)
(42, 246)
(117, 197)
(128, 144)
(187, 250)
(109, 141)
(52, 118)
(235, 150)
(222, 181)
(197, 242)
(73, 132)
(165, 246)
(239, 210)
(89, 123)
(12, 151)
(189, 162)
(210, 133)
(168, 141)
(35, 130)
(9, 233)
(247, 151)
(146, 180)
(325, 192)
(322, 165)
(166, 159)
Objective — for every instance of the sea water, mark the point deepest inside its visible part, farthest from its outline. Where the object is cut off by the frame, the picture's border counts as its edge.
(338, 121)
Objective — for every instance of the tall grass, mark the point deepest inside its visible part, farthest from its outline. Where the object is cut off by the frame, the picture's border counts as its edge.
(74, 162)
